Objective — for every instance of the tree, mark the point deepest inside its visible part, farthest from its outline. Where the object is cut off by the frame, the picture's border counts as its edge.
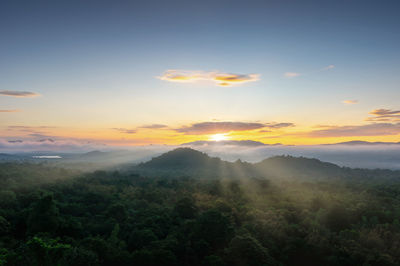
(213, 260)
(118, 212)
(46, 251)
(44, 216)
(186, 208)
(245, 250)
(140, 238)
(7, 199)
(337, 218)
(4, 226)
(214, 227)
(3, 256)
(79, 256)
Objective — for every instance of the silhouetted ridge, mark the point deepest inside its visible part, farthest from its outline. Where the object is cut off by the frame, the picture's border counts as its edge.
(186, 161)
(181, 158)
(93, 153)
(301, 166)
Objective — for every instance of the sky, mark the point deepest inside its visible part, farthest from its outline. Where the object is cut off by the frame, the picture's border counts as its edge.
(125, 73)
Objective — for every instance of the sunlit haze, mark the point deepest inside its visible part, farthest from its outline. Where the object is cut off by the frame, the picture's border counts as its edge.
(128, 73)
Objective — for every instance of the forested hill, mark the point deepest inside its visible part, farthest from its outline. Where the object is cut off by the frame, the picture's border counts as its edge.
(182, 158)
(288, 166)
(190, 162)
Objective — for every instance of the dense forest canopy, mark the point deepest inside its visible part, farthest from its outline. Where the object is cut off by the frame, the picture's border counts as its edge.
(185, 208)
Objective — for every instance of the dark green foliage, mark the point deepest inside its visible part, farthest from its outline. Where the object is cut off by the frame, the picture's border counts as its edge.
(117, 211)
(7, 199)
(245, 250)
(138, 239)
(44, 216)
(337, 218)
(213, 260)
(214, 227)
(45, 251)
(79, 256)
(186, 208)
(4, 226)
(325, 215)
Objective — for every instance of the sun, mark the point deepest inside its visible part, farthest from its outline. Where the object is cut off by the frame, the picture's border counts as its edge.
(218, 137)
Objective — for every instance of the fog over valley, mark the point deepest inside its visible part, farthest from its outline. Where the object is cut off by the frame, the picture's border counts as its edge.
(355, 154)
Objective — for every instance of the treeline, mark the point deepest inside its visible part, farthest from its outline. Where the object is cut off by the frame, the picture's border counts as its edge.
(113, 218)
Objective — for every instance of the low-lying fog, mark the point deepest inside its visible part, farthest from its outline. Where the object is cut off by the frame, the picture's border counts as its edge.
(356, 156)
(359, 155)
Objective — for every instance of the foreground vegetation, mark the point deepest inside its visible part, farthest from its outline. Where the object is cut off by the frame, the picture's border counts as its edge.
(51, 216)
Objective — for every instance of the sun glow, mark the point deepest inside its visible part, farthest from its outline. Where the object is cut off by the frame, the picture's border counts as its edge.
(219, 137)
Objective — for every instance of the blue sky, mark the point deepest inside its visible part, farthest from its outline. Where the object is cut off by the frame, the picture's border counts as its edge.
(95, 64)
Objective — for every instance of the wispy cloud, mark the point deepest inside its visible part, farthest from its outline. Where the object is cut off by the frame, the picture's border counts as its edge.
(225, 79)
(219, 78)
(376, 129)
(384, 115)
(20, 94)
(43, 136)
(383, 112)
(297, 74)
(278, 125)
(218, 127)
(349, 102)
(48, 144)
(225, 127)
(292, 74)
(328, 67)
(28, 127)
(32, 131)
(389, 125)
(125, 130)
(9, 111)
(154, 126)
(135, 130)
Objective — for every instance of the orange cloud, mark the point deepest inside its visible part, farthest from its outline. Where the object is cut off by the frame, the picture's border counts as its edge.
(350, 101)
(224, 79)
(220, 78)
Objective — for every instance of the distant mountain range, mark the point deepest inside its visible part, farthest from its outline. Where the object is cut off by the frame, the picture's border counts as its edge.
(85, 161)
(360, 142)
(250, 143)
